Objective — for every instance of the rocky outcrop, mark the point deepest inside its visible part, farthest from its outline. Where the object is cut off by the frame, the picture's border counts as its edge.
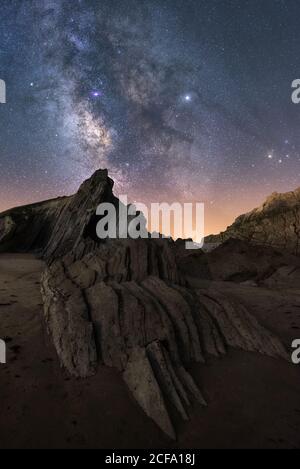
(240, 261)
(276, 223)
(56, 226)
(29, 228)
(127, 303)
(76, 223)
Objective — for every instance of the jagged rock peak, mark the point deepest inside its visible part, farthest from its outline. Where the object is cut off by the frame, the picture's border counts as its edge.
(55, 226)
(76, 221)
(276, 202)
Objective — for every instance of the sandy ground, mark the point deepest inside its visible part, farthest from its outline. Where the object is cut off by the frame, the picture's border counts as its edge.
(254, 401)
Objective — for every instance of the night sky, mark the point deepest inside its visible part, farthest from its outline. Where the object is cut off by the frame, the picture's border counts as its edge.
(182, 100)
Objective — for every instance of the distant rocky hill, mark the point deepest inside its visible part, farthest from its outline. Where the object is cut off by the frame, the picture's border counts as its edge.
(275, 223)
(127, 303)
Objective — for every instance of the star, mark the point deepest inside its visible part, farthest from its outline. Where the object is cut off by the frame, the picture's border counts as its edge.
(145, 96)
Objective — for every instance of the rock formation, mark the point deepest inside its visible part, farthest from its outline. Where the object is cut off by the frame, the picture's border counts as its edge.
(275, 223)
(240, 261)
(29, 228)
(127, 304)
(76, 223)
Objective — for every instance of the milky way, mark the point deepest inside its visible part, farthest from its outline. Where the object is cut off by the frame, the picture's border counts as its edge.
(181, 100)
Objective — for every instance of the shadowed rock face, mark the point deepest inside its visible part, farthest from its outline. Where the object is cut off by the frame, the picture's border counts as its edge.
(28, 228)
(276, 223)
(127, 304)
(54, 227)
(239, 261)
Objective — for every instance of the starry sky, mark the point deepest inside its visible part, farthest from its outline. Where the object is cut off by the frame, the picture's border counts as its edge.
(182, 100)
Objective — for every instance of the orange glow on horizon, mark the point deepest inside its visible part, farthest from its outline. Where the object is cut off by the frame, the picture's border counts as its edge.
(217, 215)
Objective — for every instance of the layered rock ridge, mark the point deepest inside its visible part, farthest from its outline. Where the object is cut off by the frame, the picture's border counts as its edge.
(28, 228)
(124, 303)
(275, 223)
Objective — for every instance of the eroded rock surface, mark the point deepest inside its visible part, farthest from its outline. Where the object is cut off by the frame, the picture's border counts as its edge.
(77, 219)
(28, 228)
(275, 223)
(240, 261)
(126, 305)
(54, 227)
